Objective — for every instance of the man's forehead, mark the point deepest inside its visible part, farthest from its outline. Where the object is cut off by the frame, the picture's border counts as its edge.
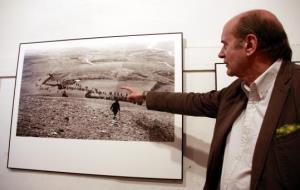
(232, 22)
(229, 27)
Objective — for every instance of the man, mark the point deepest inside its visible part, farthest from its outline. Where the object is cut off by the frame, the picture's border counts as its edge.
(248, 149)
(115, 108)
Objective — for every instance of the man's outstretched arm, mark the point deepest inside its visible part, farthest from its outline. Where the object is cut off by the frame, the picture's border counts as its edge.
(135, 95)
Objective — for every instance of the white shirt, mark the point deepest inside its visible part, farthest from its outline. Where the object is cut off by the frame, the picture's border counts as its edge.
(240, 142)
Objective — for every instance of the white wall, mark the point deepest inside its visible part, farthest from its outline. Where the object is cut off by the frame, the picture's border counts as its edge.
(201, 23)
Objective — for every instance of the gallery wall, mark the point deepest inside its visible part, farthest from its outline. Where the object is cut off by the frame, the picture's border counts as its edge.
(201, 23)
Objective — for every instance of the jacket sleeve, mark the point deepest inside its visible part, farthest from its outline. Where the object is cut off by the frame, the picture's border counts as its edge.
(194, 104)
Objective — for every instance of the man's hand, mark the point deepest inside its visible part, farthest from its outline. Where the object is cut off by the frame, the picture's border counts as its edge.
(135, 95)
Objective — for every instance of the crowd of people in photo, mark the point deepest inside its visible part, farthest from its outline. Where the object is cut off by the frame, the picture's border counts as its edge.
(65, 86)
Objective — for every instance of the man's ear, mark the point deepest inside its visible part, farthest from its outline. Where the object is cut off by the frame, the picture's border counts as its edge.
(251, 44)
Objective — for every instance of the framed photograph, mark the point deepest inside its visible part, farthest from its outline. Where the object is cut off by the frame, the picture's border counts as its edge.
(222, 79)
(71, 114)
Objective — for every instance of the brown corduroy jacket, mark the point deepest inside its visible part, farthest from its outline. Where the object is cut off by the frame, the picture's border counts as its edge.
(276, 161)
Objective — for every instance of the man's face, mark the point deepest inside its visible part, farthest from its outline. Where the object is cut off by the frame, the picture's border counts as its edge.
(233, 52)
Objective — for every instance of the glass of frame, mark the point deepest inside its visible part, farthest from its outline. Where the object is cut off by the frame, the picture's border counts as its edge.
(70, 113)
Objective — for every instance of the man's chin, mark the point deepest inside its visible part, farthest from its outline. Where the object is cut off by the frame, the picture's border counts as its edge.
(229, 73)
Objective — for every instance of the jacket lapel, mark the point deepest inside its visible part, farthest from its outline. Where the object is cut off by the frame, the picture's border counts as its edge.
(269, 125)
(231, 109)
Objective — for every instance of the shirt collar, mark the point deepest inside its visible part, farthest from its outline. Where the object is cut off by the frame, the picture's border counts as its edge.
(259, 88)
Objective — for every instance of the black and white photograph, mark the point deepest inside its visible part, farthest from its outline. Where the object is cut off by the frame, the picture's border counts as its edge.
(75, 91)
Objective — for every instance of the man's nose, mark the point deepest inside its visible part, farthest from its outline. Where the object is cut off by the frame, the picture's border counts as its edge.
(221, 54)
